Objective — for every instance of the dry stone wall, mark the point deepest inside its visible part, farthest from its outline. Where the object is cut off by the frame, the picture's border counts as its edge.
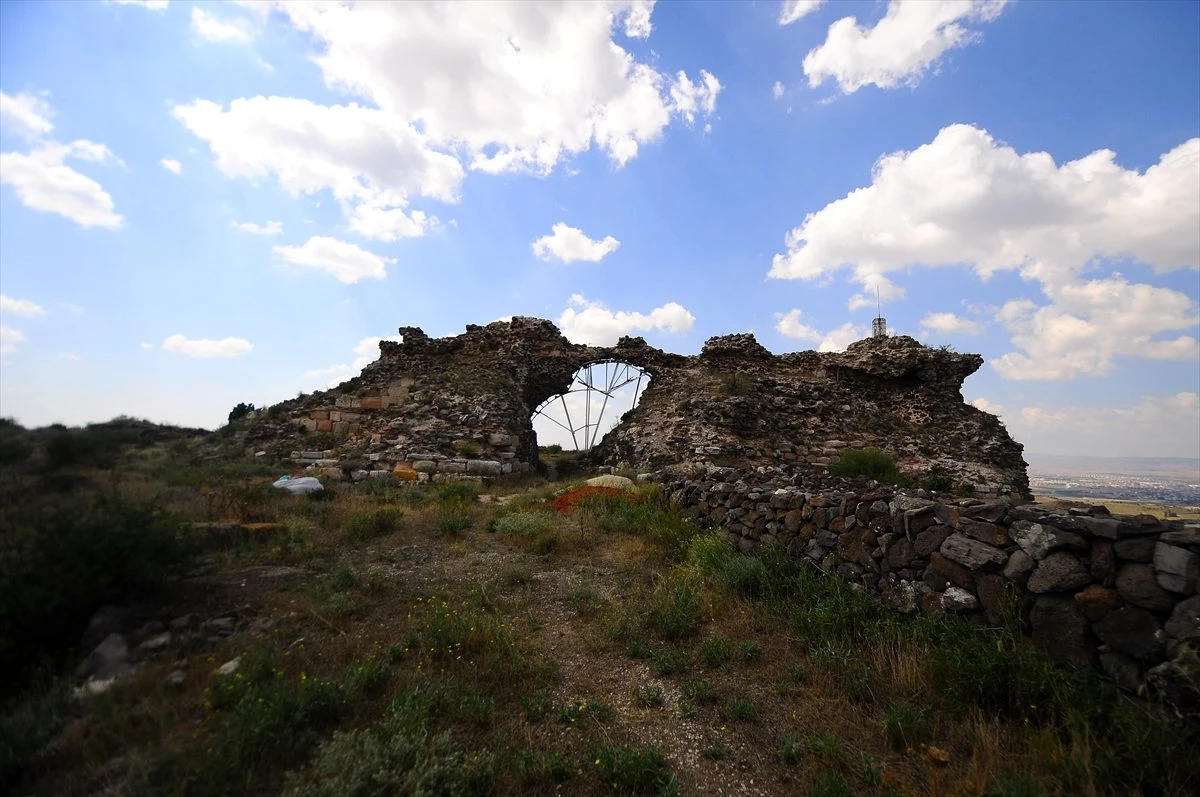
(461, 406)
(1088, 587)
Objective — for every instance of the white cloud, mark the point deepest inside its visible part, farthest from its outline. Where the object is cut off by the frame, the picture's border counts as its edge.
(226, 347)
(9, 338)
(594, 324)
(20, 307)
(791, 324)
(209, 28)
(966, 200)
(153, 5)
(902, 46)
(948, 324)
(496, 87)
(371, 161)
(777, 90)
(66, 355)
(1091, 324)
(270, 228)
(345, 261)
(793, 10)
(145, 345)
(25, 114)
(44, 182)
(987, 406)
(569, 244)
(366, 351)
(389, 223)
(173, 166)
(637, 19)
(1156, 426)
(689, 98)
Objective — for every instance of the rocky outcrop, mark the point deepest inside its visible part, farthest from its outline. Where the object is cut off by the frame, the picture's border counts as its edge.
(462, 405)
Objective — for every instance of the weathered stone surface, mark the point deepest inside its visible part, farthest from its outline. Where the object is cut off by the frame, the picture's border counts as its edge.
(1108, 528)
(1177, 569)
(984, 532)
(1102, 562)
(931, 540)
(1137, 585)
(972, 553)
(1132, 631)
(1033, 538)
(943, 571)
(1185, 538)
(1019, 566)
(1061, 630)
(1122, 669)
(1058, 572)
(1135, 549)
(957, 600)
(997, 596)
(900, 554)
(1179, 684)
(1096, 601)
(110, 659)
(1183, 625)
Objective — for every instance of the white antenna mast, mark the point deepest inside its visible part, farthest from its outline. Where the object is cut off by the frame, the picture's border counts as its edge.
(879, 325)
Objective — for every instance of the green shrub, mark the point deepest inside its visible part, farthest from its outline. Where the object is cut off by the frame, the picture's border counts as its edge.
(368, 763)
(630, 771)
(58, 568)
(741, 710)
(906, 725)
(677, 607)
(938, 480)
(869, 462)
(526, 523)
(830, 784)
(375, 523)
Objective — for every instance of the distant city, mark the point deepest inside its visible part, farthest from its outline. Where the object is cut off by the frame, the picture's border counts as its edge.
(1168, 480)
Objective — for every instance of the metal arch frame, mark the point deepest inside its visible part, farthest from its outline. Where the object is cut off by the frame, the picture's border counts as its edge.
(617, 374)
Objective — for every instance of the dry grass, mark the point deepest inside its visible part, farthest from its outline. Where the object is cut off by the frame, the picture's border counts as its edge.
(678, 665)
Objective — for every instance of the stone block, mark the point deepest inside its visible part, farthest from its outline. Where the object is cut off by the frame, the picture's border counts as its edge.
(1177, 569)
(319, 415)
(484, 467)
(983, 531)
(1137, 585)
(372, 403)
(1061, 630)
(957, 600)
(1019, 566)
(1096, 602)
(1058, 572)
(1102, 562)
(1132, 631)
(452, 466)
(950, 571)
(341, 428)
(308, 424)
(424, 466)
(997, 596)
(1033, 538)
(342, 402)
(972, 553)
(1183, 625)
(930, 540)
(325, 426)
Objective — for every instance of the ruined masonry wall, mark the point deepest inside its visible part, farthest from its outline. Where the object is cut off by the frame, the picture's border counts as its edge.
(1090, 588)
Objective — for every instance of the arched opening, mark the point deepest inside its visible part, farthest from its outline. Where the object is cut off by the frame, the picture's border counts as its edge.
(601, 392)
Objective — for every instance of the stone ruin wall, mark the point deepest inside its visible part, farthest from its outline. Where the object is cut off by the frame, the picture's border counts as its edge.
(1089, 588)
(461, 407)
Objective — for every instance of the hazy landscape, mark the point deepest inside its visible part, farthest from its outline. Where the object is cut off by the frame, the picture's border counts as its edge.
(1166, 480)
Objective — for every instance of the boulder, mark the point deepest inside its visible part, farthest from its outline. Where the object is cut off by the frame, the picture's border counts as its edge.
(1097, 601)
(1183, 625)
(957, 600)
(1058, 572)
(982, 531)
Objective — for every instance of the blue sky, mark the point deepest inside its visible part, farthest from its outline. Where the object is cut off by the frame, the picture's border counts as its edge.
(202, 204)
